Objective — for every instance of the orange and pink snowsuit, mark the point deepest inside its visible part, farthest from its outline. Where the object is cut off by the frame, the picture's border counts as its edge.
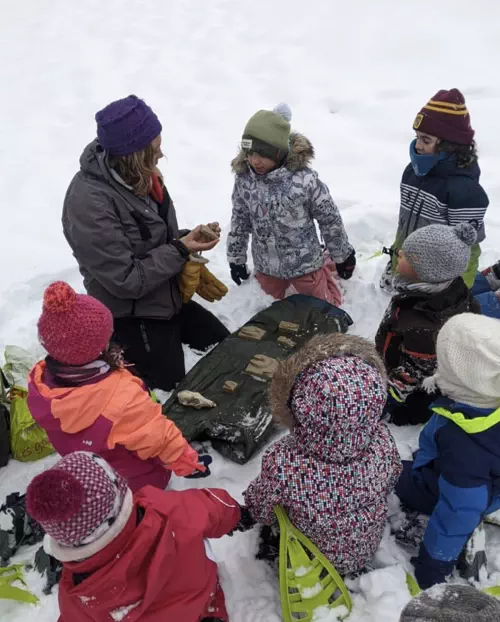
(116, 419)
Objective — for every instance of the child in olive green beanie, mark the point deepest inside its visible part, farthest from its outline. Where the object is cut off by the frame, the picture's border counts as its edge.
(277, 198)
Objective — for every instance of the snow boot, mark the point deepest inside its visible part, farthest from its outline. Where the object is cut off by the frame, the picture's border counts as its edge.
(411, 533)
(269, 544)
(50, 567)
(386, 280)
(472, 563)
(17, 528)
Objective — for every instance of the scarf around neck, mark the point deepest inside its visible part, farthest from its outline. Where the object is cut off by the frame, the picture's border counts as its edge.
(403, 286)
(423, 164)
(77, 375)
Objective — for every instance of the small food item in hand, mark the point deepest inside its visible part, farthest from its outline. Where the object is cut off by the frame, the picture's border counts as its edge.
(207, 234)
(194, 400)
(252, 332)
(215, 227)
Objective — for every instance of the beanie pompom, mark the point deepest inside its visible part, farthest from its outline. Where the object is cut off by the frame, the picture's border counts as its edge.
(284, 110)
(59, 298)
(54, 496)
(466, 232)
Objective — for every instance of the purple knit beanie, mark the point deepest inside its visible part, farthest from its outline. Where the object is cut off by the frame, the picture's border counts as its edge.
(126, 126)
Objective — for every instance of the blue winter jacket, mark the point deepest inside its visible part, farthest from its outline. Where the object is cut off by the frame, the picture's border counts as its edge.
(459, 458)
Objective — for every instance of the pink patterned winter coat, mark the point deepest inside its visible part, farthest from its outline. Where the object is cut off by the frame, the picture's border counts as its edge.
(334, 471)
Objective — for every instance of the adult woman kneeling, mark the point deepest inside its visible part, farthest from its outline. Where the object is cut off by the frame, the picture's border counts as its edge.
(121, 224)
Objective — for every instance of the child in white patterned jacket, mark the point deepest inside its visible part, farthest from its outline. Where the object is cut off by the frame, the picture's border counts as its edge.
(277, 198)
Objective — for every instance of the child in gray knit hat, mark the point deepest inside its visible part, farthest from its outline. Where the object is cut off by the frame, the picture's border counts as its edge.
(435, 254)
(452, 603)
(430, 291)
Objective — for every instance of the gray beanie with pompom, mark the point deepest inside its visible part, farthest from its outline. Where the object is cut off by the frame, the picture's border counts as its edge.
(439, 253)
(452, 603)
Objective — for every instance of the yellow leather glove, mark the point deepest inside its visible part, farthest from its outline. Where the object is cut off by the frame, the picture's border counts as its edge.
(209, 287)
(189, 278)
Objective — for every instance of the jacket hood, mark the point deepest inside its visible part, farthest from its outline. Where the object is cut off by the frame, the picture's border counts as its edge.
(300, 155)
(449, 167)
(332, 394)
(92, 161)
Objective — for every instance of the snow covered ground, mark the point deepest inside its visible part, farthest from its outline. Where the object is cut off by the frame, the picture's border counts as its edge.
(354, 73)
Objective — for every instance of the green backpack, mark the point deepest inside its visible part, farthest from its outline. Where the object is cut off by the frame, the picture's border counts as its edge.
(28, 441)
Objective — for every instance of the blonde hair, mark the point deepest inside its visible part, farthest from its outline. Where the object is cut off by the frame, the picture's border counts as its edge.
(136, 169)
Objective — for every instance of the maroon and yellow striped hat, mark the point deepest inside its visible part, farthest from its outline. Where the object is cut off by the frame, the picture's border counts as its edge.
(446, 116)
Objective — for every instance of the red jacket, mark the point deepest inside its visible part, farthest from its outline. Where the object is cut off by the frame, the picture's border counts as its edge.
(157, 568)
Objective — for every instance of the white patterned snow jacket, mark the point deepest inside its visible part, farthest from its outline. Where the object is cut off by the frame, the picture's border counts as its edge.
(279, 210)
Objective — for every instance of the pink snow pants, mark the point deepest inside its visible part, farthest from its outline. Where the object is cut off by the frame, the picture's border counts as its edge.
(320, 284)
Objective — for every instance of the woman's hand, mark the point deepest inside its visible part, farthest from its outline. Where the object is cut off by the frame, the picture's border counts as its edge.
(195, 242)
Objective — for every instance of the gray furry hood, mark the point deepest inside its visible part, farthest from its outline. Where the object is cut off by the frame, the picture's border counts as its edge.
(300, 155)
(320, 347)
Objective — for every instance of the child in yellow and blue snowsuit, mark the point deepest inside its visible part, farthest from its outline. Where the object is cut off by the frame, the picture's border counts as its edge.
(455, 476)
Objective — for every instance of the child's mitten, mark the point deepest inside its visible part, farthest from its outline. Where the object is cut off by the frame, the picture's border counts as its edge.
(346, 268)
(239, 273)
(246, 521)
(206, 461)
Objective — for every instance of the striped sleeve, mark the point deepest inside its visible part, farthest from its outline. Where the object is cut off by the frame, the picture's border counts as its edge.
(467, 201)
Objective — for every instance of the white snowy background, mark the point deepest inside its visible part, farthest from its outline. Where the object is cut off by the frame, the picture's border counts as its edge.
(355, 74)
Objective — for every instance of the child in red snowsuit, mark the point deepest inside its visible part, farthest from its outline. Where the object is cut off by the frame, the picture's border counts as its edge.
(130, 557)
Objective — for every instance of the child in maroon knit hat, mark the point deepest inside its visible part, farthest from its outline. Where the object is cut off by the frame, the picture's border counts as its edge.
(130, 556)
(441, 183)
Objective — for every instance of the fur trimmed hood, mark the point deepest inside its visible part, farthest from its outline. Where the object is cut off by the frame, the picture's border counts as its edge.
(320, 348)
(300, 155)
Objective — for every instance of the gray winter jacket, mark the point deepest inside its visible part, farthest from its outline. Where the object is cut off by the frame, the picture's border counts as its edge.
(279, 210)
(121, 243)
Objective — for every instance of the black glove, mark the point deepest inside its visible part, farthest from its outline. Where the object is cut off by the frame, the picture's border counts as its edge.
(206, 460)
(346, 268)
(239, 273)
(246, 521)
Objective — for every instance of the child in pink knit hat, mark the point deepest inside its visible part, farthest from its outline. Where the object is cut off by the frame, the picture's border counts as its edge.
(130, 557)
(84, 398)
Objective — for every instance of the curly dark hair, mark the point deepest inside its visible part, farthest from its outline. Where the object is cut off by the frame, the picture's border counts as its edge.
(466, 154)
(113, 356)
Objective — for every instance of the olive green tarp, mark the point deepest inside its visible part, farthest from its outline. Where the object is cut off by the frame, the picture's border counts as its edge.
(241, 422)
